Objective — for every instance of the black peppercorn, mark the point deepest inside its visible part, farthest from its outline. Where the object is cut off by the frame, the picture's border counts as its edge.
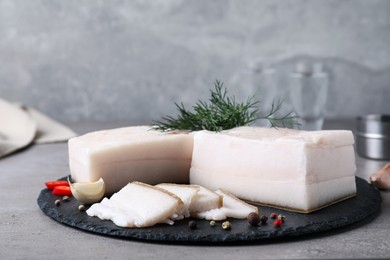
(263, 219)
(253, 219)
(192, 224)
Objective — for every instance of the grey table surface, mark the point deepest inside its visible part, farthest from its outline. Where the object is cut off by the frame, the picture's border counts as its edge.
(26, 233)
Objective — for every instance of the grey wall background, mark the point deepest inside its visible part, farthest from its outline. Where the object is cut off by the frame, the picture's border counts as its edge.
(113, 60)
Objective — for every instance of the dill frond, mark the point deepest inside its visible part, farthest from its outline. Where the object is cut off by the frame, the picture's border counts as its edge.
(222, 112)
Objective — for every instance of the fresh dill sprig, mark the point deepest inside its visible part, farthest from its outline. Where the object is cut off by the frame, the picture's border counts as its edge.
(287, 120)
(222, 112)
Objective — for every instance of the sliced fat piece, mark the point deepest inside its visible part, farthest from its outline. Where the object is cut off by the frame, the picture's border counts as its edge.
(232, 208)
(185, 192)
(205, 200)
(138, 205)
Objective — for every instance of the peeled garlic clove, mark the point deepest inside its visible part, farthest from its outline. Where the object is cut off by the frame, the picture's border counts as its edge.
(381, 179)
(88, 192)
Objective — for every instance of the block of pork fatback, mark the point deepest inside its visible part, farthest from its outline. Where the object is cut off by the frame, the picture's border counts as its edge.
(297, 170)
(122, 155)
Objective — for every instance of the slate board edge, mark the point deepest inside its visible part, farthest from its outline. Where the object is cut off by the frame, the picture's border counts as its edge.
(50, 210)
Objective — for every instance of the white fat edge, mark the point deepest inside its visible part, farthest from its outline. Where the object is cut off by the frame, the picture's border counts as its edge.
(230, 201)
(142, 223)
(170, 220)
(120, 217)
(205, 194)
(167, 221)
(186, 207)
(212, 214)
(225, 211)
(184, 212)
(175, 217)
(238, 214)
(180, 211)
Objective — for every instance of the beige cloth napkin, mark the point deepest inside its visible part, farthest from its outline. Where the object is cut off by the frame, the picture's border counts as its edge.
(21, 126)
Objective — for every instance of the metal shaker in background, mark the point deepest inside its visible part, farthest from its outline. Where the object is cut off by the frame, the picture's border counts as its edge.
(373, 136)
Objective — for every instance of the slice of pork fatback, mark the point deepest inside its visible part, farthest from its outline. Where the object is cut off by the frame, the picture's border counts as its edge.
(138, 205)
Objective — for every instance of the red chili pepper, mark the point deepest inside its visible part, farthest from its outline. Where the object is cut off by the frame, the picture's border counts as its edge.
(278, 222)
(62, 191)
(51, 184)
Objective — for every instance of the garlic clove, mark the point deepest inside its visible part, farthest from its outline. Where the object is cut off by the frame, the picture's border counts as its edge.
(381, 179)
(88, 192)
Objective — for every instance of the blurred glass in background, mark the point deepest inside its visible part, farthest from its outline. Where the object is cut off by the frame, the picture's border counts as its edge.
(260, 78)
(265, 84)
(308, 88)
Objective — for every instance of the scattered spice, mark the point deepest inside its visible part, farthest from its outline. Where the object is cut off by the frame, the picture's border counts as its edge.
(66, 198)
(81, 208)
(253, 219)
(263, 219)
(192, 224)
(212, 223)
(273, 215)
(226, 225)
(282, 217)
(57, 202)
(278, 222)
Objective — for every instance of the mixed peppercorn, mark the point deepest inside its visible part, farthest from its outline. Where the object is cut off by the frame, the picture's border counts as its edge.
(254, 219)
(192, 224)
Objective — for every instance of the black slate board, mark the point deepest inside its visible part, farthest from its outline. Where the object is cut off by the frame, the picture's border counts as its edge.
(366, 203)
